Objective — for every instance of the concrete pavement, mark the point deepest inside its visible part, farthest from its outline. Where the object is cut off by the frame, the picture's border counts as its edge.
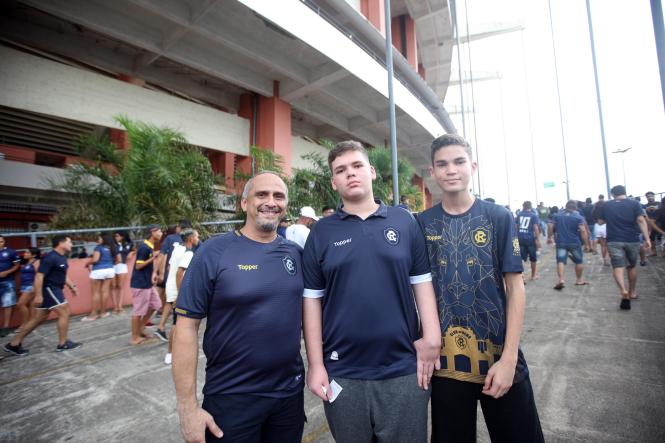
(598, 372)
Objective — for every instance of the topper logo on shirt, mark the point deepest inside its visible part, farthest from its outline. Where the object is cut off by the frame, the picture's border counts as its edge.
(480, 237)
(346, 241)
(289, 265)
(391, 235)
(248, 267)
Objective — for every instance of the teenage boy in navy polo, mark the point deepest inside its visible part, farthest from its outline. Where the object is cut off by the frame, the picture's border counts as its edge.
(145, 299)
(626, 220)
(10, 262)
(476, 269)
(528, 234)
(248, 284)
(568, 229)
(362, 266)
(50, 281)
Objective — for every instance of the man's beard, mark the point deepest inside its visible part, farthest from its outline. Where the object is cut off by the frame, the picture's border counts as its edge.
(266, 226)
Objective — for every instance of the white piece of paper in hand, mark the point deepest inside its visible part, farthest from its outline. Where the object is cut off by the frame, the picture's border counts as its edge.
(336, 389)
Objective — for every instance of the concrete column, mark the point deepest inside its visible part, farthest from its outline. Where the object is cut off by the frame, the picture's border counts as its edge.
(375, 12)
(404, 39)
(420, 184)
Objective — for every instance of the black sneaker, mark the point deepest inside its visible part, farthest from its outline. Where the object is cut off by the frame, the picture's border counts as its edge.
(625, 304)
(161, 335)
(69, 345)
(16, 350)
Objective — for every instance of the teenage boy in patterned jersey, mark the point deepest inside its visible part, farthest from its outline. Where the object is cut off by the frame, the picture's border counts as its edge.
(365, 271)
(50, 281)
(476, 269)
(248, 284)
(528, 234)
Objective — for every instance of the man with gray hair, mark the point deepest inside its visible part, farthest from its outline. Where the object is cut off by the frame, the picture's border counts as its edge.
(248, 284)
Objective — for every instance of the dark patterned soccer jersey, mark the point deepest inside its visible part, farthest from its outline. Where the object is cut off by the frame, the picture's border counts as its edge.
(469, 253)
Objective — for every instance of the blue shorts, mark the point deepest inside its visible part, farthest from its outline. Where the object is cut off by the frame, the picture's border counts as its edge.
(575, 254)
(528, 250)
(27, 288)
(592, 230)
(7, 294)
(53, 297)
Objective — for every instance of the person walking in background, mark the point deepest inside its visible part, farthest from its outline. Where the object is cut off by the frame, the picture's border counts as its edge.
(651, 208)
(600, 231)
(625, 221)
(50, 281)
(9, 264)
(124, 247)
(180, 259)
(528, 234)
(144, 276)
(28, 271)
(102, 273)
(299, 231)
(566, 228)
(587, 212)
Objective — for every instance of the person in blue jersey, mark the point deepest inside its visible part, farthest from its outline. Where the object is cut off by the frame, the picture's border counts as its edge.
(9, 264)
(28, 271)
(248, 286)
(125, 249)
(102, 272)
(476, 268)
(49, 286)
(145, 299)
(626, 220)
(366, 280)
(568, 230)
(165, 251)
(528, 234)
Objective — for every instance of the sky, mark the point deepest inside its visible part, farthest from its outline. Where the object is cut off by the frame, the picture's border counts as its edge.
(518, 132)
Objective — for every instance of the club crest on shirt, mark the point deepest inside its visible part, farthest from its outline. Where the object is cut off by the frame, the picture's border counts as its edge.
(480, 237)
(391, 235)
(289, 265)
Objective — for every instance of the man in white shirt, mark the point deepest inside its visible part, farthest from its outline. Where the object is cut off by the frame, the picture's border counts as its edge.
(299, 231)
(180, 258)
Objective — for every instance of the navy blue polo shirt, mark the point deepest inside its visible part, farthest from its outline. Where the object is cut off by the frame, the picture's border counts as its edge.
(251, 294)
(567, 228)
(526, 225)
(8, 259)
(469, 253)
(364, 270)
(142, 278)
(54, 267)
(621, 218)
(105, 258)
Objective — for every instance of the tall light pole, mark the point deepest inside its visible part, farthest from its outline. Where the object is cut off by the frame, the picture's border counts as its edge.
(623, 166)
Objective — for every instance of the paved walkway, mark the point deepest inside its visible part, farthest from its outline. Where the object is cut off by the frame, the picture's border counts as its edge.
(598, 372)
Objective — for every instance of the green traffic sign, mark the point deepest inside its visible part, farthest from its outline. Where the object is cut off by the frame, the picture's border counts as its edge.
(548, 184)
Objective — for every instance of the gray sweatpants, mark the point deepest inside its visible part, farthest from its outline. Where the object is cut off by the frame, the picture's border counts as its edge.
(383, 411)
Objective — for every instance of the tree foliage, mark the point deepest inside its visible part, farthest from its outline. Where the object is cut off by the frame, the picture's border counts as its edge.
(311, 186)
(159, 179)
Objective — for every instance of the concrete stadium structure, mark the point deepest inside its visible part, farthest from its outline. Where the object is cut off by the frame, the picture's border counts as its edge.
(228, 74)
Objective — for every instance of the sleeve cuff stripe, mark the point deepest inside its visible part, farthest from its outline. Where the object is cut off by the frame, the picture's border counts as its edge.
(140, 261)
(416, 279)
(314, 293)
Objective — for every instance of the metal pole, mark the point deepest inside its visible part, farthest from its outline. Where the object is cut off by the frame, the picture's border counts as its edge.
(659, 34)
(558, 95)
(528, 109)
(473, 100)
(453, 10)
(600, 107)
(391, 103)
(623, 169)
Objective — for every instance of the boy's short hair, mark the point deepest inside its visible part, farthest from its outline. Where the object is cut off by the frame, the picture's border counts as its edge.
(450, 140)
(527, 205)
(342, 148)
(618, 190)
(58, 239)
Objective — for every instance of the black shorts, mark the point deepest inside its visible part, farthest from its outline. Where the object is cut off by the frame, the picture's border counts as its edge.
(246, 418)
(511, 418)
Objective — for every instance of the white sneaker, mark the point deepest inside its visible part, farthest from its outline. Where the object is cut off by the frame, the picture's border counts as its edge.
(168, 359)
